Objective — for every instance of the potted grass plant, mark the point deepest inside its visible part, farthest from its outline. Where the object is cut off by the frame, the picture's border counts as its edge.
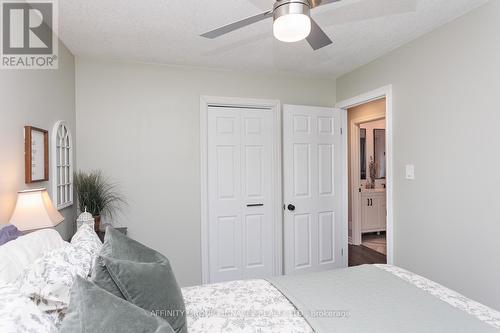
(97, 195)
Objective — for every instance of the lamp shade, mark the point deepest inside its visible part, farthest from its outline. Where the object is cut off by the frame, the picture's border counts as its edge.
(34, 210)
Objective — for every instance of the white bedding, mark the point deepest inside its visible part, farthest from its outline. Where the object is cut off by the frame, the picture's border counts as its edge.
(257, 306)
(48, 280)
(241, 306)
(19, 314)
(18, 254)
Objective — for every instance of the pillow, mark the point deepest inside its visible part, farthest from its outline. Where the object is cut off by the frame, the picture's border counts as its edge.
(140, 275)
(92, 309)
(49, 279)
(9, 233)
(119, 246)
(18, 314)
(151, 286)
(86, 239)
(18, 254)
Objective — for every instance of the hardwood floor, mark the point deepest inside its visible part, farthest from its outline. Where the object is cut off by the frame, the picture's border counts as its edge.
(375, 241)
(359, 255)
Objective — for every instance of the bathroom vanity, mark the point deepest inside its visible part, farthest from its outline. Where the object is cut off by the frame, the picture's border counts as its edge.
(373, 210)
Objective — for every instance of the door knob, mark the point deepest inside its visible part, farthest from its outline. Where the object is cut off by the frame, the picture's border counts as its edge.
(291, 207)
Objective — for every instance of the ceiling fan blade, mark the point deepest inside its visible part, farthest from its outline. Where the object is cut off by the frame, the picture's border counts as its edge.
(237, 25)
(317, 38)
(316, 3)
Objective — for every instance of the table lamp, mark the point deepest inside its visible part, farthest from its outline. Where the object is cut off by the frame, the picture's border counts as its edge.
(34, 210)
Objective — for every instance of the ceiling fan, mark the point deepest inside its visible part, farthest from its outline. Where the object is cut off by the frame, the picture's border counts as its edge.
(292, 23)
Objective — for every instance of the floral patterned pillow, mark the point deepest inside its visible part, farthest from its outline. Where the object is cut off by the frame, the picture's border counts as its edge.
(18, 314)
(86, 238)
(49, 279)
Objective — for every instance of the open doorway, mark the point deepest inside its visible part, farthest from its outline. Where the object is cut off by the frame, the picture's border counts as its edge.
(369, 197)
(367, 223)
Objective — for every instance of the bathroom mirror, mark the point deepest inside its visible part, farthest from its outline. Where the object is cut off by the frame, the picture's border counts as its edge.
(362, 152)
(379, 152)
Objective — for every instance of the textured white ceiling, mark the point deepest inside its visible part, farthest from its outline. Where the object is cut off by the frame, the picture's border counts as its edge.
(167, 32)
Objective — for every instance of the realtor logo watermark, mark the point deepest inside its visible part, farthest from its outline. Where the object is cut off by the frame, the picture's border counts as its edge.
(29, 34)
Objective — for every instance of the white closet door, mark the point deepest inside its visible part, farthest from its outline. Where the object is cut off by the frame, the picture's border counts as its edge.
(313, 166)
(240, 193)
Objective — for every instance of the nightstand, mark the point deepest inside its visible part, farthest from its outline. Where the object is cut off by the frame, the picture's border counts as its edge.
(101, 233)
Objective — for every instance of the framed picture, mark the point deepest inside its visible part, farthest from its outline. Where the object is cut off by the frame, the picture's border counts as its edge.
(36, 155)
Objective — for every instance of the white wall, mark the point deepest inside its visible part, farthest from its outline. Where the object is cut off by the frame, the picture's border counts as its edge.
(38, 98)
(140, 124)
(446, 116)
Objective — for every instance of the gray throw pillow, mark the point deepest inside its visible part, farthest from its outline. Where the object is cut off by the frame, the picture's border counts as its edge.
(92, 309)
(142, 276)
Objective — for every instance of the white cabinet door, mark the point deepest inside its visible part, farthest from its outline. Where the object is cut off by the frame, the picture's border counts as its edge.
(369, 213)
(240, 193)
(373, 212)
(313, 164)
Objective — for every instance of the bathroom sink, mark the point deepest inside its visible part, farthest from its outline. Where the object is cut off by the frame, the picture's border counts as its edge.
(373, 190)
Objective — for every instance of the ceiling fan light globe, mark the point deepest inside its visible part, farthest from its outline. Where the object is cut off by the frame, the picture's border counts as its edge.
(292, 27)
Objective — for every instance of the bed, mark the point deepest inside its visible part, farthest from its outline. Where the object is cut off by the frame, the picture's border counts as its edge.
(368, 298)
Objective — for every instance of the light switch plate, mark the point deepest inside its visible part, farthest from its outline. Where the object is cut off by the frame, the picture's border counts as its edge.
(410, 171)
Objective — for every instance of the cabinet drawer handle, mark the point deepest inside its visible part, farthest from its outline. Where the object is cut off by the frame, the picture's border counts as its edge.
(255, 205)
